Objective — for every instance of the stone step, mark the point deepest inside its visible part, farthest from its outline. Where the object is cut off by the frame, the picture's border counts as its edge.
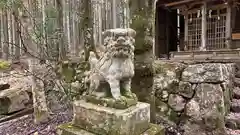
(233, 132)
(235, 105)
(233, 121)
(70, 129)
(236, 93)
(103, 120)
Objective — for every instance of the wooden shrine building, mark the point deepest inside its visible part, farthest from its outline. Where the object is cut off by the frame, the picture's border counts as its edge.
(198, 29)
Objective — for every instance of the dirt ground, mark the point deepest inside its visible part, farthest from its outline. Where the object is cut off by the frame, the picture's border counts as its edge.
(26, 126)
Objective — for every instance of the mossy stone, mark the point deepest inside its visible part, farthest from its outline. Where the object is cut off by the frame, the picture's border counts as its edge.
(69, 129)
(123, 103)
(109, 121)
(155, 130)
(4, 105)
(4, 65)
(161, 107)
(161, 67)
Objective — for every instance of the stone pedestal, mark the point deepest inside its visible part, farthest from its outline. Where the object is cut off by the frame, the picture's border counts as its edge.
(91, 119)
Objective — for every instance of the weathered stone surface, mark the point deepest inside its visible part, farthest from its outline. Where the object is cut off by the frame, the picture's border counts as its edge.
(115, 67)
(194, 128)
(237, 74)
(170, 117)
(233, 121)
(209, 96)
(16, 78)
(122, 103)
(103, 120)
(203, 91)
(161, 107)
(186, 89)
(164, 113)
(236, 93)
(193, 109)
(154, 130)
(207, 73)
(168, 69)
(235, 105)
(207, 108)
(69, 129)
(13, 99)
(191, 128)
(237, 82)
(176, 102)
(166, 84)
(142, 83)
(228, 94)
(166, 78)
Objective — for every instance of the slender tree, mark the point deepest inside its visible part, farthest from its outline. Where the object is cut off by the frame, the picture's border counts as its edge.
(39, 100)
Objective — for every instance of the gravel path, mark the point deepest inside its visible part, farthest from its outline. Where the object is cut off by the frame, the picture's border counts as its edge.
(25, 125)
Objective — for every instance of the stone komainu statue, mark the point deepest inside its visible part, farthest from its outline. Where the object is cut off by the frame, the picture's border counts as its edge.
(112, 73)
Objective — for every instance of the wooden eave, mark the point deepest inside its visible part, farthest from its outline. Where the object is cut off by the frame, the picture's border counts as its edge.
(178, 3)
(188, 3)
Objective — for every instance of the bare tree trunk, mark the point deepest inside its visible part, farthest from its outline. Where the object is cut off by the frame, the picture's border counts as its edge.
(5, 34)
(65, 24)
(10, 33)
(16, 33)
(39, 100)
(74, 44)
(67, 5)
(88, 29)
(61, 45)
(1, 31)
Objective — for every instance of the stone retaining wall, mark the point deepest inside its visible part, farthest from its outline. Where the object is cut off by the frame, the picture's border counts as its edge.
(194, 96)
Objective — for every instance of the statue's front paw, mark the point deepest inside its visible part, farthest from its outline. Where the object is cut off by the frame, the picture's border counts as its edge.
(129, 94)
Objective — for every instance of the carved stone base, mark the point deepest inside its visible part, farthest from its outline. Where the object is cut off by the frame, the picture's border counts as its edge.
(123, 103)
(69, 129)
(109, 121)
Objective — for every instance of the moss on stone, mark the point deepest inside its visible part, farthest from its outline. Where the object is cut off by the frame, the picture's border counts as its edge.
(161, 67)
(69, 129)
(173, 116)
(161, 107)
(4, 105)
(4, 65)
(155, 130)
(123, 103)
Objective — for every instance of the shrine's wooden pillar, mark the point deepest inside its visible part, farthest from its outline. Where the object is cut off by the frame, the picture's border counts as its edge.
(185, 30)
(204, 27)
(229, 26)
